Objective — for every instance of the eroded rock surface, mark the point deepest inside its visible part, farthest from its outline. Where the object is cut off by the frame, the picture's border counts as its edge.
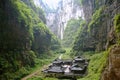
(112, 72)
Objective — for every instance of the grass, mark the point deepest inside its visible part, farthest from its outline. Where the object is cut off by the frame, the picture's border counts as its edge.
(40, 76)
(66, 55)
(96, 66)
(40, 63)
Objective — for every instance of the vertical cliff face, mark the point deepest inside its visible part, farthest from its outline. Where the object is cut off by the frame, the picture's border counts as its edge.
(102, 30)
(57, 19)
(96, 24)
(112, 71)
(89, 7)
(23, 36)
(99, 25)
(67, 10)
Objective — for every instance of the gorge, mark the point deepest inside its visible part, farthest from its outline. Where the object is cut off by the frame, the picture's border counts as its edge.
(32, 34)
(57, 18)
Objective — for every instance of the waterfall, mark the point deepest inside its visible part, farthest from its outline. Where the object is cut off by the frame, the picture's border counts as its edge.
(57, 19)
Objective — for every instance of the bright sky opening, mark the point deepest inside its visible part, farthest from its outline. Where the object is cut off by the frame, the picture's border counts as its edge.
(52, 3)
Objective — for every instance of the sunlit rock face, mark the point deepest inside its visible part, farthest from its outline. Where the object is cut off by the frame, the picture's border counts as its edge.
(50, 17)
(104, 34)
(89, 7)
(67, 9)
(57, 19)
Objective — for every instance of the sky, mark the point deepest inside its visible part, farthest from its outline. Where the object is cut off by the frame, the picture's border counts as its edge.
(52, 3)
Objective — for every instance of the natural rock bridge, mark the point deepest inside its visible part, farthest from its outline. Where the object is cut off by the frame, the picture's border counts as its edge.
(67, 69)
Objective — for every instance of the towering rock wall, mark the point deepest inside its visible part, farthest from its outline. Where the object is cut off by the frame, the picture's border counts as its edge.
(67, 10)
(102, 30)
(96, 24)
(57, 19)
(99, 16)
(23, 38)
(112, 70)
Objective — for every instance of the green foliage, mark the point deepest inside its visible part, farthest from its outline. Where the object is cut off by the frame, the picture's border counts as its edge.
(37, 10)
(61, 50)
(71, 32)
(117, 27)
(55, 43)
(44, 60)
(82, 40)
(22, 33)
(12, 67)
(96, 19)
(39, 78)
(67, 54)
(88, 38)
(35, 78)
(16, 75)
(24, 13)
(96, 65)
(117, 23)
(42, 39)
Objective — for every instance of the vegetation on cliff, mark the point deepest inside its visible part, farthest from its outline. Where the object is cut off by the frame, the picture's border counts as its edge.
(117, 27)
(71, 31)
(116, 23)
(23, 35)
(26, 43)
(95, 34)
(96, 65)
(96, 19)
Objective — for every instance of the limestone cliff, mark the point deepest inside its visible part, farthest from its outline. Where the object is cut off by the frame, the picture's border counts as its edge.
(112, 71)
(23, 36)
(57, 19)
(99, 16)
(102, 30)
(67, 10)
